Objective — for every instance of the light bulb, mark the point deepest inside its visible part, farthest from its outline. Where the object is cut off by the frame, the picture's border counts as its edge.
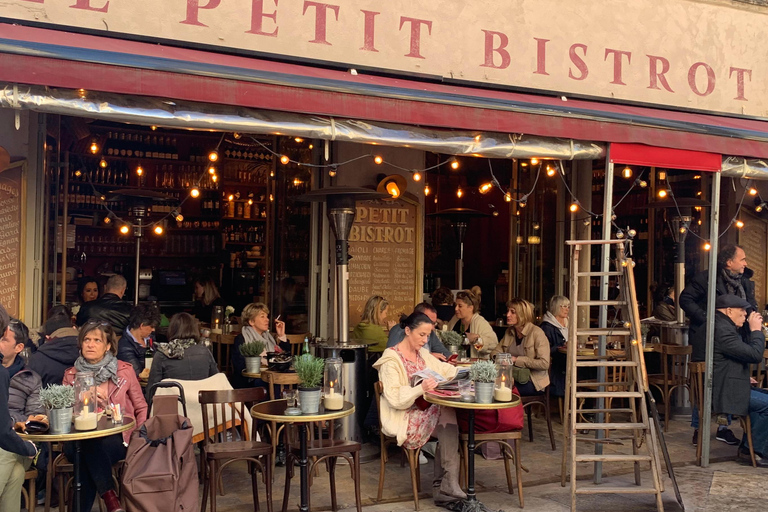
(214, 178)
(632, 233)
(332, 172)
(236, 135)
(739, 224)
(230, 197)
(195, 192)
(153, 127)
(643, 184)
(78, 173)
(620, 234)
(459, 192)
(393, 190)
(752, 191)
(284, 160)
(213, 156)
(759, 207)
(523, 203)
(81, 93)
(378, 160)
(508, 197)
(417, 176)
(534, 161)
(211, 170)
(683, 229)
(179, 217)
(454, 164)
(707, 246)
(495, 213)
(103, 198)
(124, 229)
(107, 220)
(550, 171)
(158, 230)
(574, 207)
(94, 148)
(627, 172)
(139, 171)
(523, 164)
(662, 193)
(296, 182)
(311, 146)
(299, 140)
(103, 163)
(426, 190)
(485, 188)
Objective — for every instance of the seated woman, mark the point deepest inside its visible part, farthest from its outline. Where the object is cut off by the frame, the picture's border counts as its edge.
(468, 321)
(116, 383)
(87, 289)
(206, 297)
(182, 357)
(401, 414)
(555, 327)
(529, 347)
(372, 324)
(255, 319)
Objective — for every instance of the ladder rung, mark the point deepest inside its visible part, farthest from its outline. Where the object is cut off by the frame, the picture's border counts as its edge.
(612, 411)
(612, 241)
(598, 384)
(607, 440)
(601, 303)
(598, 274)
(590, 362)
(605, 331)
(610, 426)
(605, 489)
(608, 394)
(591, 457)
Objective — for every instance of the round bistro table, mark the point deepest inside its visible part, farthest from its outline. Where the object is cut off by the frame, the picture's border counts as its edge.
(104, 428)
(471, 504)
(274, 410)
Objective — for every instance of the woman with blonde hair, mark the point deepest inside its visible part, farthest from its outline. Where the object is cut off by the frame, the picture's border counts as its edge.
(206, 297)
(468, 321)
(529, 347)
(372, 324)
(255, 320)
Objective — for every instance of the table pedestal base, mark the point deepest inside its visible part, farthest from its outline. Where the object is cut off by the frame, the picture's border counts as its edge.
(474, 506)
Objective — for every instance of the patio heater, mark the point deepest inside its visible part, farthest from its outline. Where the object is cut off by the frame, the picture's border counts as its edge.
(459, 218)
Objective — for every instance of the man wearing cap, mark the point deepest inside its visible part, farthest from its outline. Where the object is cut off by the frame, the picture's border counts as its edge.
(732, 392)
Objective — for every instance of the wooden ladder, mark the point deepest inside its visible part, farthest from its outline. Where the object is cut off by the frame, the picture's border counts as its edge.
(628, 381)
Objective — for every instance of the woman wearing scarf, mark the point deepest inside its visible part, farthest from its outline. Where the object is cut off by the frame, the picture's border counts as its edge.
(255, 319)
(555, 327)
(182, 357)
(116, 383)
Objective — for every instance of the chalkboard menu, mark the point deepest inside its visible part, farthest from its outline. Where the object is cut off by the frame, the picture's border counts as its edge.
(752, 237)
(11, 236)
(384, 245)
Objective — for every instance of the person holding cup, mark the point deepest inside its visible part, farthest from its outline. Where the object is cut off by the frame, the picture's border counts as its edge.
(468, 321)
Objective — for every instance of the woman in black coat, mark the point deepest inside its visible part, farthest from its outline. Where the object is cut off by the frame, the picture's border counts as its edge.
(182, 357)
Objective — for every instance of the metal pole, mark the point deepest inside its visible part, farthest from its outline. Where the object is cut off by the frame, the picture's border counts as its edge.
(605, 264)
(136, 277)
(704, 415)
(64, 218)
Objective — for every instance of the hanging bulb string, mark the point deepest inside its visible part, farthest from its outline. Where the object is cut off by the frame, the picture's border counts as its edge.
(634, 184)
(524, 198)
(738, 210)
(570, 192)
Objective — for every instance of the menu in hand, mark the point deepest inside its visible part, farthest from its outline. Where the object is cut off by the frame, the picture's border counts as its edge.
(442, 382)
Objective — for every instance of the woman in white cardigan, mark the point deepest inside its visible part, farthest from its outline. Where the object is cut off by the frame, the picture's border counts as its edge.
(406, 416)
(468, 321)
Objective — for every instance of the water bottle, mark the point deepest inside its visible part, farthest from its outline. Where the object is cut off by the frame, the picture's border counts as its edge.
(305, 348)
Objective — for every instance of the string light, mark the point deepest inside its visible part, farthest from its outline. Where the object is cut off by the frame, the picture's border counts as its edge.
(236, 135)
(641, 183)
(683, 230)
(178, 216)
(550, 171)
(299, 140)
(94, 147)
(78, 173)
(332, 172)
(124, 229)
(211, 170)
(250, 202)
(522, 203)
(534, 161)
(454, 164)
(663, 193)
(485, 188)
(158, 230)
(760, 207)
(739, 224)
(627, 172)
(459, 192)
(230, 197)
(574, 207)
(284, 160)
(195, 192)
(707, 246)
(139, 171)
(417, 176)
(753, 191)
(426, 190)
(107, 220)
(378, 160)
(213, 156)
(103, 163)
(508, 197)
(215, 178)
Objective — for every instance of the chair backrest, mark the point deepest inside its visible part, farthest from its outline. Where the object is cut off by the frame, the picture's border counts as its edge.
(296, 341)
(235, 401)
(278, 382)
(674, 359)
(378, 389)
(696, 371)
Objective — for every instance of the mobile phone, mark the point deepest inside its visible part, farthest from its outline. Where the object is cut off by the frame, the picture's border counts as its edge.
(453, 357)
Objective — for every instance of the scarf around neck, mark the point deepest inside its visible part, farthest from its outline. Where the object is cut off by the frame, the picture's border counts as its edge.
(104, 370)
(175, 348)
(552, 319)
(733, 284)
(250, 335)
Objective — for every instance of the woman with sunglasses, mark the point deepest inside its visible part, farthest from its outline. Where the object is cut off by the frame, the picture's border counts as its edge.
(116, 383)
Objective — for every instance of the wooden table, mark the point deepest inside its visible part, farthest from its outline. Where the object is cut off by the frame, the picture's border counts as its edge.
(274, 411)
(253, 375)
(471, 504)
(104, 428)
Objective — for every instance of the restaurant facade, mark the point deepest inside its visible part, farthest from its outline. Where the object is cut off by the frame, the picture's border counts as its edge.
(515, 110)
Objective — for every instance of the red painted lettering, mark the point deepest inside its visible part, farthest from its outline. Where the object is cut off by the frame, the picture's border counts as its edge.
(578, 62)
(617, 54)
(86, 5)
(657, 76)
(541, 56)
(321, 19)
(35, 1)
(710, 79)
(416, 24)
(257, 19)
(368, 39)
(740, 73)
(193, 10)
(501, 50)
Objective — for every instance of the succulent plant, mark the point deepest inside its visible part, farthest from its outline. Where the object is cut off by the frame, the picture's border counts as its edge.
(483, 371)
(253, 349)
(57, 396)
(450, 338)
(309, 369)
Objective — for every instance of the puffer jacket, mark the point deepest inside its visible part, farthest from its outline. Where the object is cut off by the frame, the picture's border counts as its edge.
(196, 364)
(24, 395)
(51, 360)
(110, 308)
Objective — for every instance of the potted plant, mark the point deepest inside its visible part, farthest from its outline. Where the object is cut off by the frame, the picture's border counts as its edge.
(310, 372)
(252, 354)
(451, 339)
(59, 400)
(483, 373)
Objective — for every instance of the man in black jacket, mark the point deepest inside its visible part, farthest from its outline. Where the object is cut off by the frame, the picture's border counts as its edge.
(110, 307)
(732, 392)
(733, 278)
(132, 347)
(58, 348)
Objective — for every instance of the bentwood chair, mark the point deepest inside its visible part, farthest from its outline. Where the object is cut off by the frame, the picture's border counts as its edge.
(277, 383)
(296, 341)
(30, 496)
(218, 452)
(542, 401)
(508, 452)
(674, 366)
(696, 385)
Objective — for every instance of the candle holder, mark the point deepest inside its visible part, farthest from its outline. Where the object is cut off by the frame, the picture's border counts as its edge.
(502, 390)
(85, 401)
(217, 319)
(333, 396)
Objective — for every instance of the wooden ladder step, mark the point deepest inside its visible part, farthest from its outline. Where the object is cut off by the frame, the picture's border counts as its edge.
(598, 362)
(604, 331)
(610, 426)
(608, 394)
(598, 384)
(617, 440)
(615, 273)
(591, 457)
(601, 303)
(606, 489)
(612, 411)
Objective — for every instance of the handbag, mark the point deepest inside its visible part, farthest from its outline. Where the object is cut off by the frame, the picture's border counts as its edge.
(493, 421)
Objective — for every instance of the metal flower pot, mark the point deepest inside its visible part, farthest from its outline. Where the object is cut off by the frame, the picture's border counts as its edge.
(253, 364)
(453, 349)
(484, 392)
(60, 421)
(309, 400)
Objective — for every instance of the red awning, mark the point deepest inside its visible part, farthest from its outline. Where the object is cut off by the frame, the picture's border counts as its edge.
(654, 156)
(55, 58)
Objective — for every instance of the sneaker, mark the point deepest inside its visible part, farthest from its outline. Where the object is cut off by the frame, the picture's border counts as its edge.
(695, 440)
(726, 435)
(422, 459)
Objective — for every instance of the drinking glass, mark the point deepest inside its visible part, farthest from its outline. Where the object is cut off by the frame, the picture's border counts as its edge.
(466, 391)
(290, 396)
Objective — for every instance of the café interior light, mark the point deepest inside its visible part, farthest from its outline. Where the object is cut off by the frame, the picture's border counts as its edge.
(103, 163)
(378, 160)
(124, 229)
(534, 161)
(250, 202)
(158, 230)
(550, 171)
(299, 140)
(455, 163)
(139, 171)
(485, 188)
(195, 192)
(574, 207)
(211, 170)
(534, 240)
(215, 178)
(213, 156)
(459, 192)
(627, 172)
(663, 193)
(236, 135)
(230, 197)
(284, 160)
(94, 147)
(427, 190)
(417, 176)
(739, 223)
(78, 173)
(753, 191)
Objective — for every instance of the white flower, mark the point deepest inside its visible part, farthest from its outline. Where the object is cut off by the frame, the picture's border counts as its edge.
(229, 310)
(75, 309)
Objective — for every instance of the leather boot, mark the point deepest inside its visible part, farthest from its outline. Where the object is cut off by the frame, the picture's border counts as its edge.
(112, 502)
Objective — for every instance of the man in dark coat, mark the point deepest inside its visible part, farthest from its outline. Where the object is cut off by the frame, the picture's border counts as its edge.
(133, 345)
(733, 278)
(110, 307)
(58, 348)
(732, 392)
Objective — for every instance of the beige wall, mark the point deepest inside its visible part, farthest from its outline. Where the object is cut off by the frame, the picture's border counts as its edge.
(684, 53)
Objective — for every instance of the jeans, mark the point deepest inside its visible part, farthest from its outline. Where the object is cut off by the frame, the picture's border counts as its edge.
(96, 459)
(695, 418)
(758, 416)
